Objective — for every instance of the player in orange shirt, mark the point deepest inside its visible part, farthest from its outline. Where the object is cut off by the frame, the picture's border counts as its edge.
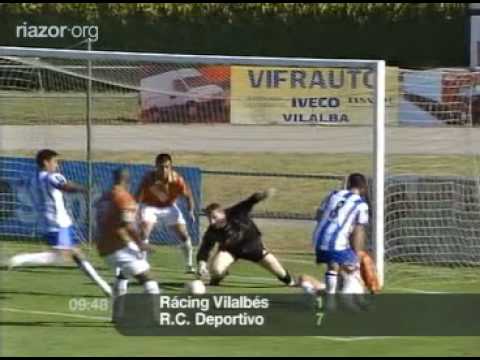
(158, 193)
(118, 241)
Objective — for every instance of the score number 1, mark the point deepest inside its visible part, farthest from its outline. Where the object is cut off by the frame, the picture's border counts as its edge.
(320, 314)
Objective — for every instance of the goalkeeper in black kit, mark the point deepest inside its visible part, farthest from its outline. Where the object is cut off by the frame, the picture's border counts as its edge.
(237, 237)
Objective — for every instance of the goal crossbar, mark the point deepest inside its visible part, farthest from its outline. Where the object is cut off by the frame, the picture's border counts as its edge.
(181, 58)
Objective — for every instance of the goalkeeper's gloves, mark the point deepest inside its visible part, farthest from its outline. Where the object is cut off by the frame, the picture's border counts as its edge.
(270, 193)
(264, 195)
(145, 247)
(202, 270)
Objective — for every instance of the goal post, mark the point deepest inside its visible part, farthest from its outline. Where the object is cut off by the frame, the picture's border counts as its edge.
(379, 170)
(122, 73)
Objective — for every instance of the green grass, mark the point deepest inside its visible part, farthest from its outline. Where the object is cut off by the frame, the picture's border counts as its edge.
(315, 163)
(294, 195)
(68, 108)
(35, 293)
(50, 289)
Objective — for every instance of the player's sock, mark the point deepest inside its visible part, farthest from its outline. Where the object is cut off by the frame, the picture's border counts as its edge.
(121, 285)
(92, 274)
(272, 264)
(187, 250)
(331, 279)
(287, 279)
(216, 279)
(144, 253)
(151, 287)
(39, 259)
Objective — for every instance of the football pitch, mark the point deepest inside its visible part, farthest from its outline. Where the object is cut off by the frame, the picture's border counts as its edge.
(427, 155)
(36, 316)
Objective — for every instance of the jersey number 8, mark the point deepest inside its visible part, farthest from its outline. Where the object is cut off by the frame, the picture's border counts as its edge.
(334, 213)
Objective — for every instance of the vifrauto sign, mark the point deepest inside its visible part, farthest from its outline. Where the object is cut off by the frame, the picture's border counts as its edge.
(270, 95)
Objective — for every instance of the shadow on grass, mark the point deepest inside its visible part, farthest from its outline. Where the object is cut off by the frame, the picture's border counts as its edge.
(295, 253)
(47, 269)
(39, 293)
(75, 324)
(240, 285)
(172, 285)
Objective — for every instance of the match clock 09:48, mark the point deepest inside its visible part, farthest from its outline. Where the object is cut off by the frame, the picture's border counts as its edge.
(86, 304)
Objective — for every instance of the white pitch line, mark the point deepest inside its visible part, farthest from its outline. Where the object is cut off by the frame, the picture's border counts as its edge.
(416, 291)
(346, 339)
(35, 312)
(296, 261)
(239, 277)
(274, 281)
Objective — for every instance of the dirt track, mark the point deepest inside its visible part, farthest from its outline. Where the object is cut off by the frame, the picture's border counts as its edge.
(301, 139)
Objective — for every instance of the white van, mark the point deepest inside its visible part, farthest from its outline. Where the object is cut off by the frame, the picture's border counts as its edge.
(183, 87)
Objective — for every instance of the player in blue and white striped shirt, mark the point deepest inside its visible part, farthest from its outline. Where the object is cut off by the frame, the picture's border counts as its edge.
(49, 186)
(341, 232)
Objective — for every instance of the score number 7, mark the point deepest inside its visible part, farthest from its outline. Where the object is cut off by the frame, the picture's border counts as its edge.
(320, 314)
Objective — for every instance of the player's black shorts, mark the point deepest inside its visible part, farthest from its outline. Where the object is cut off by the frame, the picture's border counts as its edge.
(251, 253)
(254, 252)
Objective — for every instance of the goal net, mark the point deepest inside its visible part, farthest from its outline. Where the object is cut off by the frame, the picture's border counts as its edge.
(238, 125)
(233, 126)
(432, 192)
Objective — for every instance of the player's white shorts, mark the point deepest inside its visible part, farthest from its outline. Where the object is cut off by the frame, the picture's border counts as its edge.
(130, 260)
(169, 215)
